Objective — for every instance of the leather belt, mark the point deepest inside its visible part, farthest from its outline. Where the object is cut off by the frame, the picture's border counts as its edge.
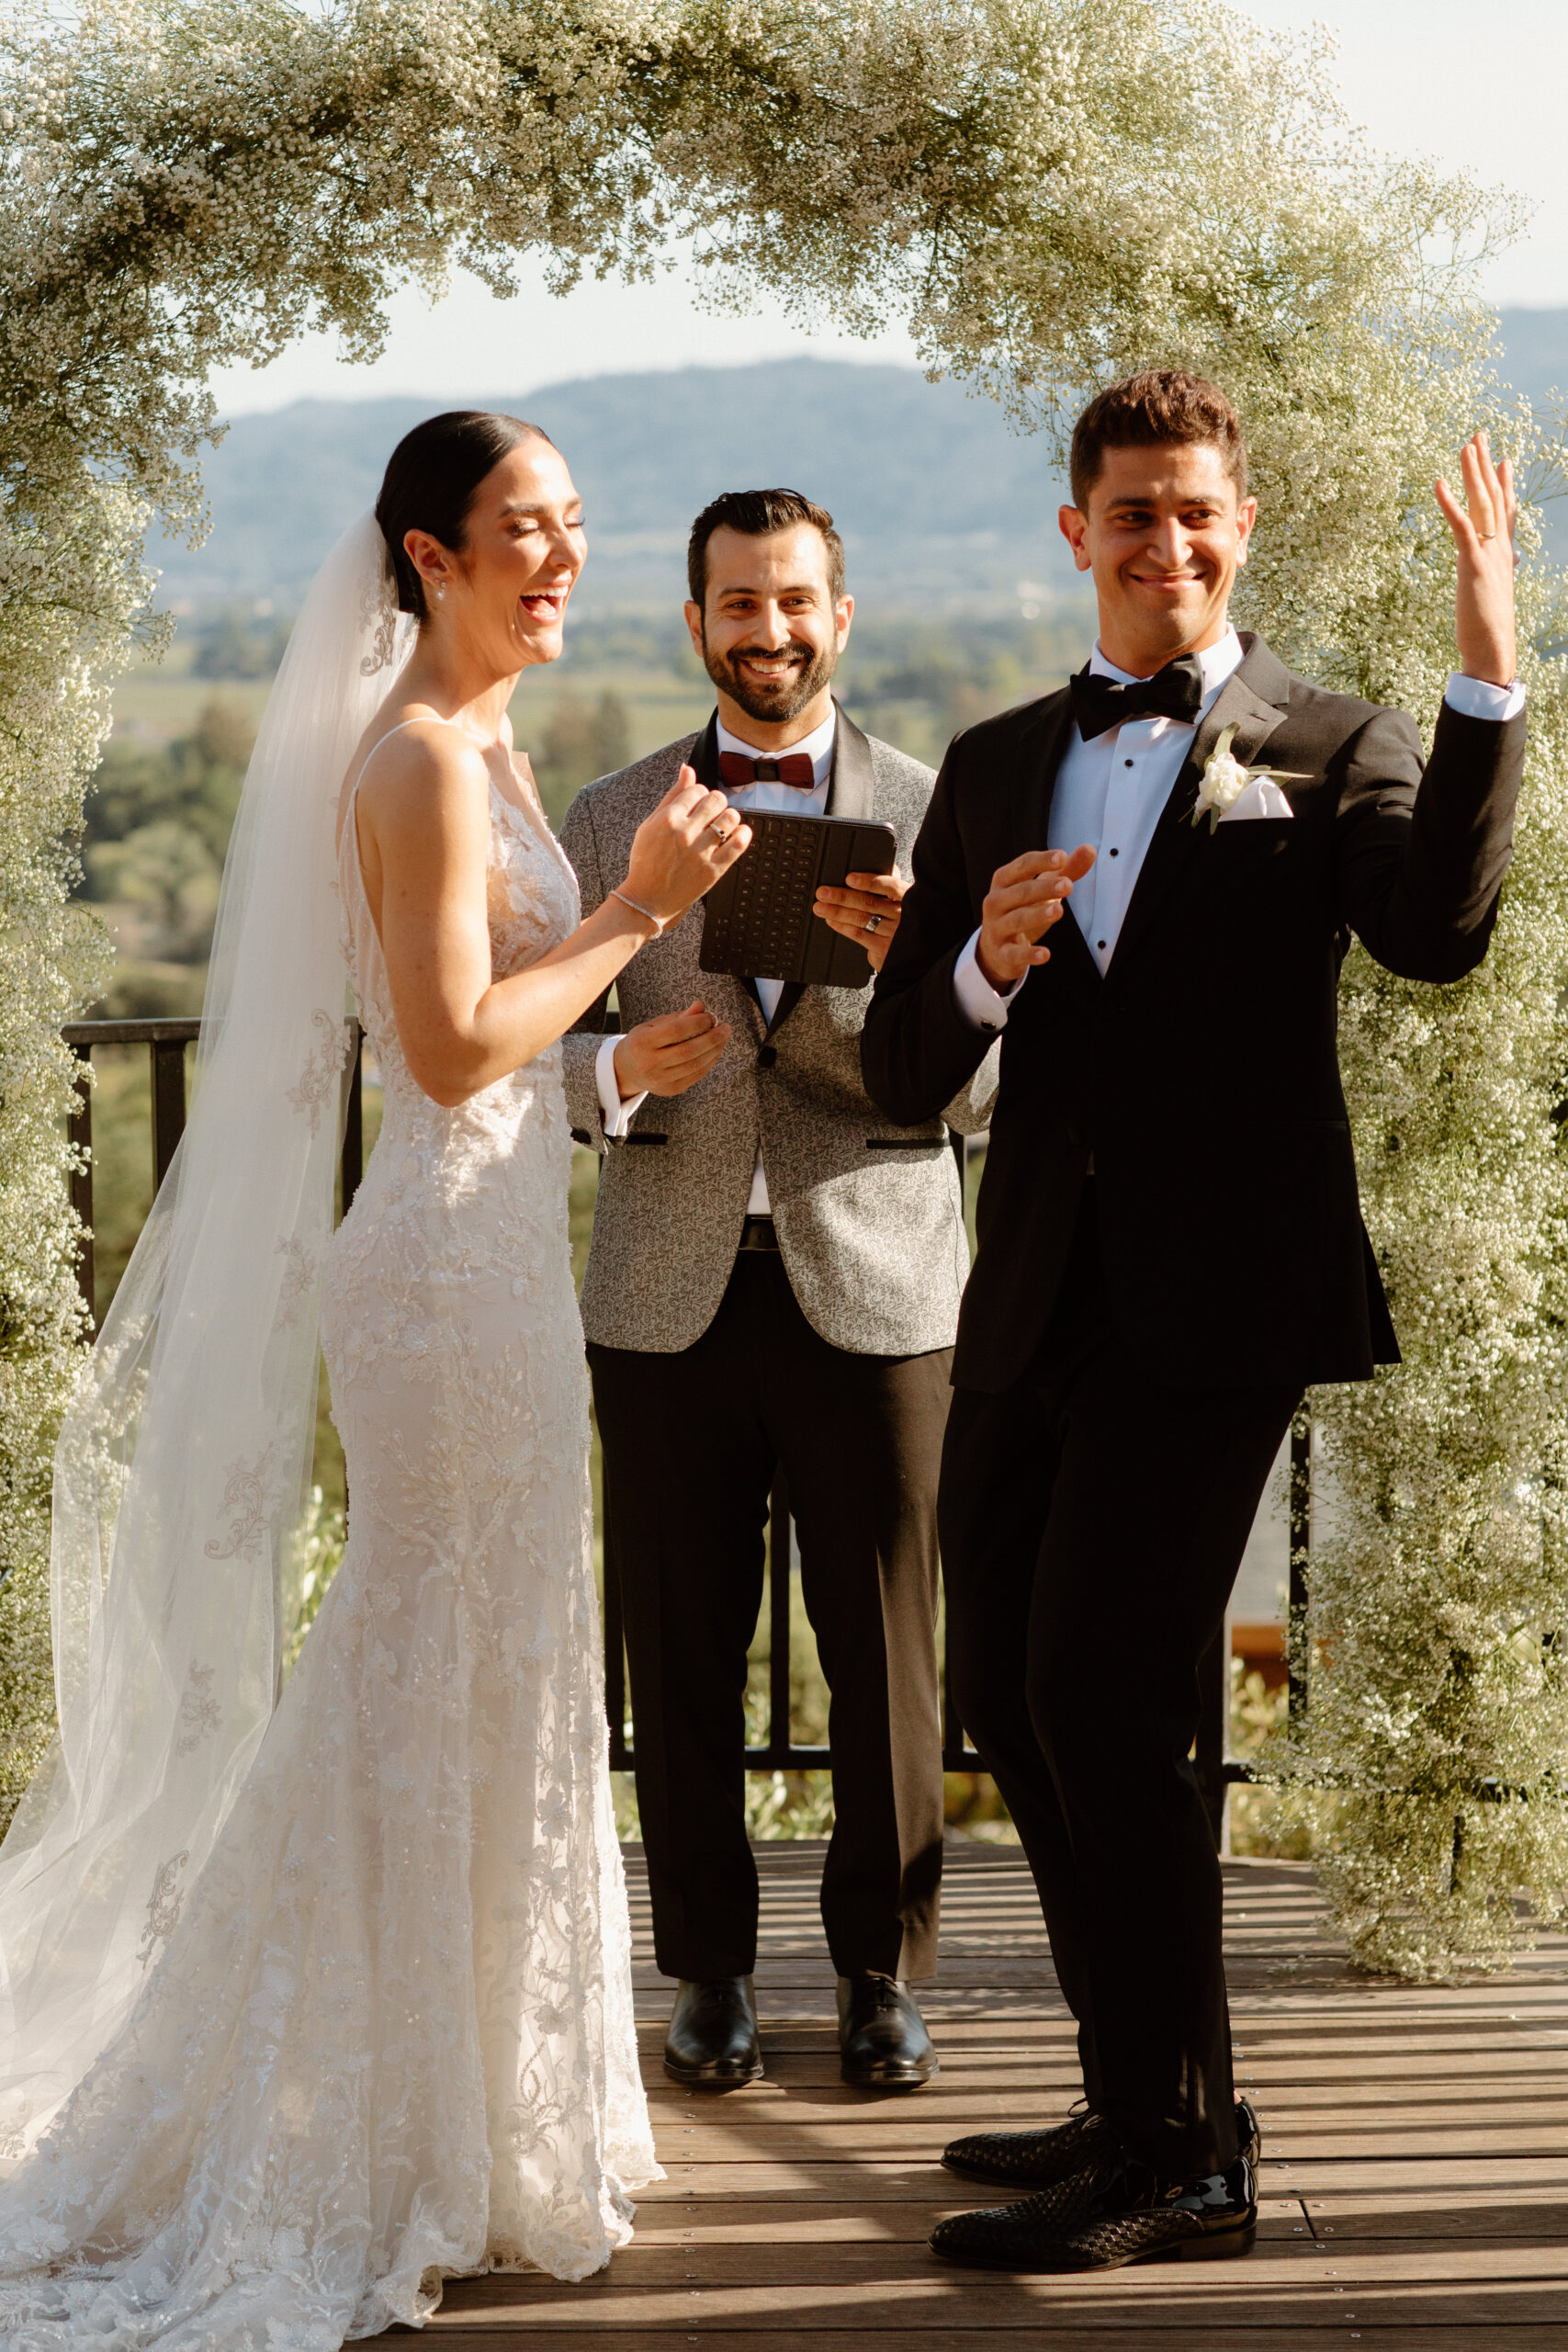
(757, 1233)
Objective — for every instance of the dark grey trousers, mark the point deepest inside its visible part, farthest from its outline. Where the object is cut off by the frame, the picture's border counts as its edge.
(691, 1442)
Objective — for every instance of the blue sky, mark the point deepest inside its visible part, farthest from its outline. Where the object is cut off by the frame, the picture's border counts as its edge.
(1415, 75)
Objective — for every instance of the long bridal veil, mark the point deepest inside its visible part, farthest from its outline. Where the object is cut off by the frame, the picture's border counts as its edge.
(183, 1464)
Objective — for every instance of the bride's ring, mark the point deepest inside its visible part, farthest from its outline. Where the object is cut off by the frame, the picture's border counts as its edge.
(1486, 534)
(724, 832)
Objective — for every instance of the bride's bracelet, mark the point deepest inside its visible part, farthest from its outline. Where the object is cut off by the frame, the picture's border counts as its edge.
(637, 907)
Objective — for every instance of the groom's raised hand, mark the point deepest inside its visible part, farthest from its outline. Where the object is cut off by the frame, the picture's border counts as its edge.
(1484, 539)
(1026, 897)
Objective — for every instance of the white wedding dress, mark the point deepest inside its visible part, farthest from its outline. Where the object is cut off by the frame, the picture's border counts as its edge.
(389, 2037)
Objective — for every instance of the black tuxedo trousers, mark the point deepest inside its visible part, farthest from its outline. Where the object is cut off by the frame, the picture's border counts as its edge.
(692, 1442)
(1092, 1524)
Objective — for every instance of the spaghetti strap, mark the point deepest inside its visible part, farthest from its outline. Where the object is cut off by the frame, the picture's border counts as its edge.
(386, 739)
(348, 824)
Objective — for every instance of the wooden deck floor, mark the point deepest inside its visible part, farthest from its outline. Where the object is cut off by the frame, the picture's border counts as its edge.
(1415, 2177)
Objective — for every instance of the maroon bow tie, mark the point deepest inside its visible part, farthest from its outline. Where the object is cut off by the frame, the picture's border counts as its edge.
(796, 767)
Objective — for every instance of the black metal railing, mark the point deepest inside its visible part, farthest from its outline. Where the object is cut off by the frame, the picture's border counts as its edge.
(167, 1041)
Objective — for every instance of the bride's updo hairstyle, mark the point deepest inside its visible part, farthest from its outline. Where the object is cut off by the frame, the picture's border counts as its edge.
(430, 481)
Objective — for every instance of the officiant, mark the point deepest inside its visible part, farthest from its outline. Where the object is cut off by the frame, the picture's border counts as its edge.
(768, 1246)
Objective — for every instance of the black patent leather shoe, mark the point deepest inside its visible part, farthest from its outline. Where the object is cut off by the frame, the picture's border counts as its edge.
(1039, 2159)
(883, 2041)
(712, 2043)
(1107, 2217)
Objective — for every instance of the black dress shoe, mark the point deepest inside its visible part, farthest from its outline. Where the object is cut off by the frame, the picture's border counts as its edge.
(883, 2041)
(1110, 2215)
(1039, 2159)
(712, 2043)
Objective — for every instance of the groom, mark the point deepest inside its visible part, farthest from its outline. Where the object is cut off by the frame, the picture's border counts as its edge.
(777, 1258)
(1170, 1244)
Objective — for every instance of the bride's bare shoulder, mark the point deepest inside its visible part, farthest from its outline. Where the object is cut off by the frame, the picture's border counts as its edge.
(411, 767)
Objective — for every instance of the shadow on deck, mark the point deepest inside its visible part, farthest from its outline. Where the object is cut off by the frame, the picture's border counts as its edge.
(1414, 2182)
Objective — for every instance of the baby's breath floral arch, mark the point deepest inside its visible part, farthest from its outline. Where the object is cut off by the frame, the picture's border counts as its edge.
(1048, 192)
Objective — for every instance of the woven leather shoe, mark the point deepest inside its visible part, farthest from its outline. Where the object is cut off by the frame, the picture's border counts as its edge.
(1106, 2217)
(1039, 2159)
(883, 2041)
(712, 2043)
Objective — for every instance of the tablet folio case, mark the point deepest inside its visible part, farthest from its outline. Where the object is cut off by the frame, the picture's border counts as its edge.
(758, 922)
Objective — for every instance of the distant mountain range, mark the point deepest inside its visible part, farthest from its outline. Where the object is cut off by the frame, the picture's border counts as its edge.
(929, 486)
(936, 494)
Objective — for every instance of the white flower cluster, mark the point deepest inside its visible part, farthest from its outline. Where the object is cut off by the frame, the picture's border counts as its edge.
(1223, 782)
(1051, 192)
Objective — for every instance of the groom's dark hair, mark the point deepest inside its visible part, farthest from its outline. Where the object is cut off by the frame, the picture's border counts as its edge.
(755, 513)
(1163, 404)
(431, 479)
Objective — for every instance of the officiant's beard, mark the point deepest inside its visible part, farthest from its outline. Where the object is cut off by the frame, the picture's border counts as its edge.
(773, 704)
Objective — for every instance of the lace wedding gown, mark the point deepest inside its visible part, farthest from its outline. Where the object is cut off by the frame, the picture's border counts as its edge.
(390, 2037)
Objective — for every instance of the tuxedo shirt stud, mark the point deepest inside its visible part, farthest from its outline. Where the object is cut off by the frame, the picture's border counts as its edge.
(1111, 791)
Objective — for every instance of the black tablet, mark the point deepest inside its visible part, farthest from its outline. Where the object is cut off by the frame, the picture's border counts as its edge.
(758, 922)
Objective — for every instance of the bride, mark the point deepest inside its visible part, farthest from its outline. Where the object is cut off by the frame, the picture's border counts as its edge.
(309, 2000)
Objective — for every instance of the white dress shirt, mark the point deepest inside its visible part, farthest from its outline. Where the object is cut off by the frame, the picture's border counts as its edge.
(775, 799)
(1110, 792)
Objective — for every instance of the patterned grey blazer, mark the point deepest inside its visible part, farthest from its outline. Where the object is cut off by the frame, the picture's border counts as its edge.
(867, 1213)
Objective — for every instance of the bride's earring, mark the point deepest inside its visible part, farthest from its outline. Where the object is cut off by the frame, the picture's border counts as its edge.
(441, 595)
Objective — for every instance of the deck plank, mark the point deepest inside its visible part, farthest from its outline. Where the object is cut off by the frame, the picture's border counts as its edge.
(1040, 2335)
(1414, 2192)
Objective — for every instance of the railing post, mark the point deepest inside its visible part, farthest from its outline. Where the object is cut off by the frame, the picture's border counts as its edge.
(779, 1580)
(614, 1643)
(1298, 1638)
(950, 1724)
(1213, 1722)
(82, 1179)
(166, 1041)
(353, 1163)
(957, 1756)
(169, 1102)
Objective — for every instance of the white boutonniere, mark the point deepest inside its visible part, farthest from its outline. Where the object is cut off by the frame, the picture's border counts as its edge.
(1225, 779)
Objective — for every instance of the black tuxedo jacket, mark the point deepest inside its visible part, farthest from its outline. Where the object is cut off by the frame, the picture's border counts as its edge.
(1200, 1072)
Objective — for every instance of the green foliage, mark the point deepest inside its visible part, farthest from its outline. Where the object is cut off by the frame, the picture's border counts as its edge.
(164, 876)
(785, 1804)
(916, 679)
(1439, 1718)
(318, 1554)
(193, 781)
(157, 826)
(1265, 1821)
(583, 739)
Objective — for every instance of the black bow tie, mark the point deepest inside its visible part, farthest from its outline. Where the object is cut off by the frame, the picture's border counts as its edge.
(1175, 692)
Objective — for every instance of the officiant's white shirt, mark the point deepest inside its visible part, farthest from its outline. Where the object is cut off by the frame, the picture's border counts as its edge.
(764, 799)
(1110, 792)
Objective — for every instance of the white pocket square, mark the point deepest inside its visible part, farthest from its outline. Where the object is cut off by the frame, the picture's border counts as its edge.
(1262, 798)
